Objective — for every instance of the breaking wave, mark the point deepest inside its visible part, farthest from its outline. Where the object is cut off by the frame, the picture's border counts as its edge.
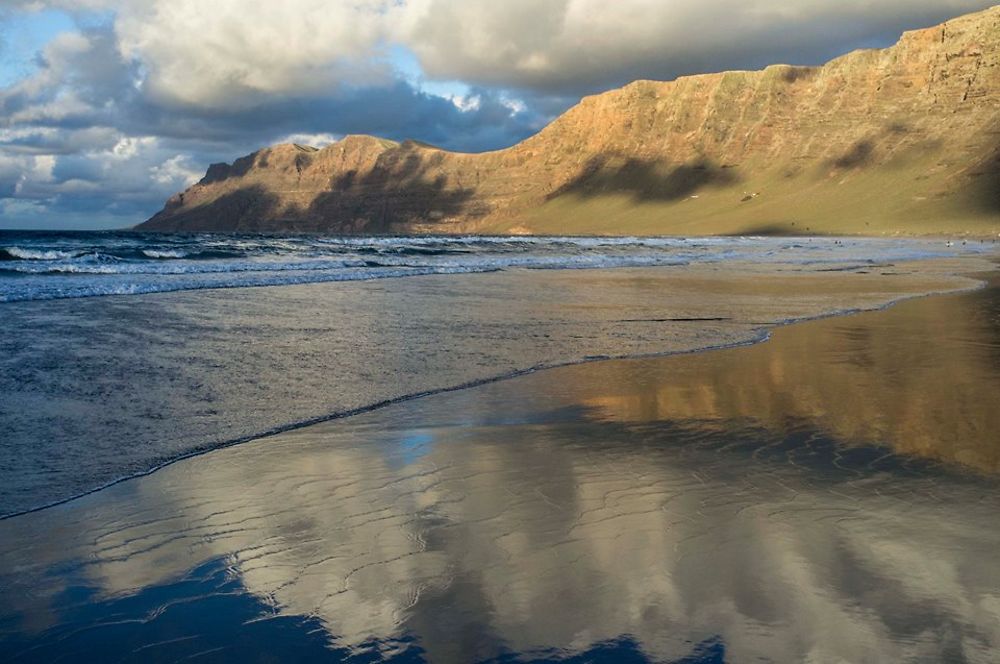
(41, 266)
(17, 253)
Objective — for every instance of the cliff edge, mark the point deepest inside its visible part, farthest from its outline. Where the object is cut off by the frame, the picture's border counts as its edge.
(904, 140)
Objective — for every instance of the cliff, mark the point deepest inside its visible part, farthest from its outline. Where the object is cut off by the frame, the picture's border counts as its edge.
(900, 140)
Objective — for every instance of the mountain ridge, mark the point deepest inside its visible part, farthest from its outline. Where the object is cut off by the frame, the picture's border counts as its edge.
(903, 140)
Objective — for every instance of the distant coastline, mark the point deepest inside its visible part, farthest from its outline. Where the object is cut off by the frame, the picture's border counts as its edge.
(900, 141)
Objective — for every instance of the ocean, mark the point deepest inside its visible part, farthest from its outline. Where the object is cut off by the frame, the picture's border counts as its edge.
(121, 352)
(52, 265)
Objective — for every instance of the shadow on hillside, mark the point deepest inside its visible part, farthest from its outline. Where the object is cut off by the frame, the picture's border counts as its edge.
(243, 165)
(223, 171)
(246, 209)
(864, 152)
(860, 154)
(644, 180)
(399, 190)
(796, 73)
(985, 184)
(769, 230)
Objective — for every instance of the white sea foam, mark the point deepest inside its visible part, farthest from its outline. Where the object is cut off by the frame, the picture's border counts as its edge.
(160, 253)
(54, 287)
(81, 265)
(36, 255)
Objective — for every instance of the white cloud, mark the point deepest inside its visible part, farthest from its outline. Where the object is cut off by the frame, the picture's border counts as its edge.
(41, 168)
(43, 140)
(129, 147)
(467, 102)
(56, 57)
(515, 105)
(218, 54)
(232, 51)
(176, 173)
(14, 208)
(320, 140)
(131, 167)
(562, 43)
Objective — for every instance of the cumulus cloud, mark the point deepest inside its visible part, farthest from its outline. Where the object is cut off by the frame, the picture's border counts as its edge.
(176, 172)
(111, 126)
(319, 140)
(215, 55)
(129, 166)
(586, 44)
(79, 78)
(134, 102)
(232, 51)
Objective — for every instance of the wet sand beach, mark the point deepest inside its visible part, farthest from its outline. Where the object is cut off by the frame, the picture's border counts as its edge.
(100, 388)
(828, 495)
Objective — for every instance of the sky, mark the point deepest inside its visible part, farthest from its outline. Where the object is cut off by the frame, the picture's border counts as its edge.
(107, 107)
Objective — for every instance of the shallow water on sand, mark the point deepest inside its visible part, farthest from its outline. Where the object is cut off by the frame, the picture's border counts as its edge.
(830, 495)
(95, 389)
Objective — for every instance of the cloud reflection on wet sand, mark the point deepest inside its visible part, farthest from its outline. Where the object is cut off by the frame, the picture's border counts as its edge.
(747, 496)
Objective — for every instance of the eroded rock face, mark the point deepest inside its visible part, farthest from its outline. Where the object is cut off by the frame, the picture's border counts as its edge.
(905, 139)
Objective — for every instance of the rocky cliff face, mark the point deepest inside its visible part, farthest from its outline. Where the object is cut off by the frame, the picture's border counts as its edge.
(900, 140)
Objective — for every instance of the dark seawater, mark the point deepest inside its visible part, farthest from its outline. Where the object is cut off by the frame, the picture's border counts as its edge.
(52, 265)
(828, 496)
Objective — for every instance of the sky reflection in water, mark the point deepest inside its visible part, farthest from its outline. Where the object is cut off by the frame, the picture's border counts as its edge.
(742, 504)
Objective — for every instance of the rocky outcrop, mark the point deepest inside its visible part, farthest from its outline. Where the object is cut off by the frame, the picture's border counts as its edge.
(900, 140)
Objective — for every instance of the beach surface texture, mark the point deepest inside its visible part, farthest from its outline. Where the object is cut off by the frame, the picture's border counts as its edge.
(827, 494)
(101, 385)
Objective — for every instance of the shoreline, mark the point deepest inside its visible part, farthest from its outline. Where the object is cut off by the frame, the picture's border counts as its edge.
(931, 235)
(978, 278)
(67, 270)
(730, 499)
